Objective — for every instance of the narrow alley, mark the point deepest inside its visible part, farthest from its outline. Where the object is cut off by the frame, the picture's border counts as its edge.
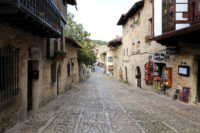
(104, 105)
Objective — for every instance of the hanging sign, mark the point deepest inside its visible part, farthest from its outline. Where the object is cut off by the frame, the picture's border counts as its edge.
(160, 57)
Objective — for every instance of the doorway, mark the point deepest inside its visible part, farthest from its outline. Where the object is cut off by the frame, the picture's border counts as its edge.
(30, 86)
(138, 76)
(126, 74)
(198, 81)
(158, 74)
(120, 74)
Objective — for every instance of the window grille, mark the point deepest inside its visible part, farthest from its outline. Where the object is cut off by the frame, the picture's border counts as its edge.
(9, 74)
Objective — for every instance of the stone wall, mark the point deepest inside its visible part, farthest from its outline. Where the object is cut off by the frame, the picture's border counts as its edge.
(135, 51)
(22, 40)
(188, 57)
(43, 90)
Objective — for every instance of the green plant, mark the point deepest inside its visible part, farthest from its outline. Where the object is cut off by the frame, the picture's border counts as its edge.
(147, 38)
(60, 53)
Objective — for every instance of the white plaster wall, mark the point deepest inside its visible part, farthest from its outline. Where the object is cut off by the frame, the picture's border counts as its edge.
(181, 7)
(179, 16)
(181, 26)
(157, 17)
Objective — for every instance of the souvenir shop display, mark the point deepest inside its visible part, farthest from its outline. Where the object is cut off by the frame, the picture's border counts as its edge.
(149, 73)
(167, 76)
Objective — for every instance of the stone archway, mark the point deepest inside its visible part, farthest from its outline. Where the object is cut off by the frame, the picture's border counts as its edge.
(120, 74)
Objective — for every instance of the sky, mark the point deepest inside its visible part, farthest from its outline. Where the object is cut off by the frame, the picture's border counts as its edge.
(100, 17)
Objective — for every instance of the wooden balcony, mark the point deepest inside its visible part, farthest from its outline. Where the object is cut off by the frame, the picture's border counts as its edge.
(39, 17)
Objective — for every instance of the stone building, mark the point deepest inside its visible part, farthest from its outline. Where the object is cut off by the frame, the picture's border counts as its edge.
(30, 71)
(99, 51)
(72, 62)
(136, 54)
(176, 25)
(109, 62)
(115, 48)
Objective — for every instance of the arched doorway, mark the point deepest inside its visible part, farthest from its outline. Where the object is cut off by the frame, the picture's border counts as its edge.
(138, 77)
(58, 79)
(120, 74)
(126, 74)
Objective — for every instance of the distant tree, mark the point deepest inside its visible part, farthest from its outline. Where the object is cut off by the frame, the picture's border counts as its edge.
(77, 31)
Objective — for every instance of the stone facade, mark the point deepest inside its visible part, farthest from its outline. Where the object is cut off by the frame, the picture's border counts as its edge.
(137, 49)
(42, 90)
(185, 38)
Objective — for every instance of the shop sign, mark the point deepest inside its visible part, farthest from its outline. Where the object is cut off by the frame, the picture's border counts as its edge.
(173, 51)
(160, 57)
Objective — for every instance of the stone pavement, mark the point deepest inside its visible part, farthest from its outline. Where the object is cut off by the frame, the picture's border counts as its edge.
(104, 105)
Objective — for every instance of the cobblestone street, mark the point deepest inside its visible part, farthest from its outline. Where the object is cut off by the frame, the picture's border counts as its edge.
(104, 105)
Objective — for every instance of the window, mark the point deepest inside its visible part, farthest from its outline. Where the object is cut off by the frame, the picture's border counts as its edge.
(127, 28)
(110, 59)
(55, 45)
(53, 72)
(168, 15)
(150, 28)
(133, 19)
(68, 69)
(124, 51)
(127, 51)
(8, 72)
(138, 16)
(64, 2)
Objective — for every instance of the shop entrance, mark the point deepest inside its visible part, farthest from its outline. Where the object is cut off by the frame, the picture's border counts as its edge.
(138, 76)
(198, 81)
(158, 70)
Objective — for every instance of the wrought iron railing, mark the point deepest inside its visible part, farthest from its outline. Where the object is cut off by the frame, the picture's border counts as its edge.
(9, 75)
(46, 10)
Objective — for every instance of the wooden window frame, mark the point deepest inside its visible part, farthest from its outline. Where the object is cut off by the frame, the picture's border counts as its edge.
(174, 17)
(197, 7)
(194, 14)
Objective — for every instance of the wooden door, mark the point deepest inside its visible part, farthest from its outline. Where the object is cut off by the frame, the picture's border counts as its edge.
(138, 77)
(126, 74)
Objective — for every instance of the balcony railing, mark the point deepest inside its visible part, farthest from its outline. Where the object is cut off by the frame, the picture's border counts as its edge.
(40, 17)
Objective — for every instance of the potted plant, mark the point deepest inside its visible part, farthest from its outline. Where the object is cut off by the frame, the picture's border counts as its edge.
(147, 38)
(60, 54)
(41, 14)
(55, 27)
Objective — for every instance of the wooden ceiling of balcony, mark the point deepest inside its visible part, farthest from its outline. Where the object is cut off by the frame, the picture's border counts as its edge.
(186, 35)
